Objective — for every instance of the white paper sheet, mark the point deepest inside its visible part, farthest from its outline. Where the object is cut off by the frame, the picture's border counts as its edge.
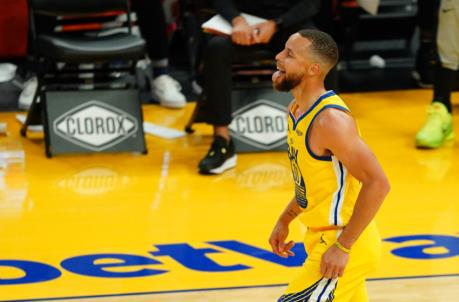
(219, 24)
(371, 6)
(161, 131)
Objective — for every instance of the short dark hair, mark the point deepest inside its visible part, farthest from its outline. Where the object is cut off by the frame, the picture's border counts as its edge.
(322, 44)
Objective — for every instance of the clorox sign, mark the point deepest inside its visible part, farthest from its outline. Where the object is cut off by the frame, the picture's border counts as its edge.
(95, 125)
(262, 124)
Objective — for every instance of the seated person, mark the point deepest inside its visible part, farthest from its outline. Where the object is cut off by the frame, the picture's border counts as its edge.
(284, 17)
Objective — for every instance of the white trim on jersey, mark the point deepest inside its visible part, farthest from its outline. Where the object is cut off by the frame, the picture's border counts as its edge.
(334, 217)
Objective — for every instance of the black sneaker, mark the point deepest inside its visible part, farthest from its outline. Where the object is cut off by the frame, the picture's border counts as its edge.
(220, 157)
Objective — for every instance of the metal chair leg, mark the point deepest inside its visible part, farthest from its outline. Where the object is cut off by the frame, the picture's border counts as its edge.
(32, 110)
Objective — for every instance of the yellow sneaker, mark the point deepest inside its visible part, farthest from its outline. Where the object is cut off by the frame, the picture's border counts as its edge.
(437, 129)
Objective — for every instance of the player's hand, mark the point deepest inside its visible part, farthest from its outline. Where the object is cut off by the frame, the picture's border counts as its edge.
(242, 33)
(333, 263)
(264, 31)
(277, 241)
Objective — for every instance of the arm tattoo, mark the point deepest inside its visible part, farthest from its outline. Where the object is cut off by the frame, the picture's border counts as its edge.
(292, 213)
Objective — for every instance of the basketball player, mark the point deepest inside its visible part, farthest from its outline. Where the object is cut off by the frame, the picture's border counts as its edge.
(339, 185)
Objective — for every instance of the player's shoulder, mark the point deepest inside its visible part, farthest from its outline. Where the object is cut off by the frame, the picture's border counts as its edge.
(334, 119)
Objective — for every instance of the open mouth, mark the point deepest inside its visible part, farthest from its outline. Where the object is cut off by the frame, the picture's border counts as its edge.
(278, 75)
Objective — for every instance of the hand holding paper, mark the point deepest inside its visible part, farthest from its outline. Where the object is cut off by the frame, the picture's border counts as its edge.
(264, 31)
(218, 25)
(242, 33)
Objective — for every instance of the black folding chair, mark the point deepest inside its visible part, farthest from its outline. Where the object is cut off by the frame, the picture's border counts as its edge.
(86, 32)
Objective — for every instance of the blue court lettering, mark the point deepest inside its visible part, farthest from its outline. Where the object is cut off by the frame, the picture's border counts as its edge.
(32, 272)
(449, 243)
(86, 266)
(128, 266)
(194, 259)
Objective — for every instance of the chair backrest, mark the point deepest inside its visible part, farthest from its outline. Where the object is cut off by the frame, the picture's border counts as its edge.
(83, 21)
(76, 7)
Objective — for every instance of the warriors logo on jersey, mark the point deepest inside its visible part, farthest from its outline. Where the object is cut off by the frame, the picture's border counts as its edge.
(300, 188)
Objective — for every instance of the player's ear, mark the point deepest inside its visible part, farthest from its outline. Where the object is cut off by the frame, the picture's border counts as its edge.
(314, 69)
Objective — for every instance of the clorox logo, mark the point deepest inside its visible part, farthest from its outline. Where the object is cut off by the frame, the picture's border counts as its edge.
(93, 181)
(262, 124)
(95, 125)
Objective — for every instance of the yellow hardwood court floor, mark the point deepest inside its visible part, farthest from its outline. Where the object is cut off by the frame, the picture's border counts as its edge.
(130, 227)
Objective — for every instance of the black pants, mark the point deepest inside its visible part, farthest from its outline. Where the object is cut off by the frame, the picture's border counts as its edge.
(427, 18)
(219, 55)
(152, 25)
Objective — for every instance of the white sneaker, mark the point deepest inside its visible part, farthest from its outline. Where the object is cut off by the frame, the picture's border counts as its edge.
(27, 94)
(167, 91)
(7, 72)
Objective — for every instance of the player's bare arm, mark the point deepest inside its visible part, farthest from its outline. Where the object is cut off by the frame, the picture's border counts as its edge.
(281, 230)
(335, 132)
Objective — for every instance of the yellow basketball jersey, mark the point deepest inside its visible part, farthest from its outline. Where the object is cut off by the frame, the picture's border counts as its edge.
(323, 187)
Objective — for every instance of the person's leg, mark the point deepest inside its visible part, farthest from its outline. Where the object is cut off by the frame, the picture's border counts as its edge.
(426, 56)
(152, 25)
(218, 58)
(365, 257)
(443, 86)
(438, 127)
(361, 294)
(448, 51)
(309, 283)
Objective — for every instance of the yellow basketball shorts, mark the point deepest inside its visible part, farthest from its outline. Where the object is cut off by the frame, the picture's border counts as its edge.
(310, 286)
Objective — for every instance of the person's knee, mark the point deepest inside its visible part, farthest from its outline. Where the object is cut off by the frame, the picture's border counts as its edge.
(219, 48)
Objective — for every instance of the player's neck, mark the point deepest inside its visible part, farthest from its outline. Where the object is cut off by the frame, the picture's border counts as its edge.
(307, 93)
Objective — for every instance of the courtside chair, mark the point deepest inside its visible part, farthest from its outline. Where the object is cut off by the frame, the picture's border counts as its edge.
(86, 33)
